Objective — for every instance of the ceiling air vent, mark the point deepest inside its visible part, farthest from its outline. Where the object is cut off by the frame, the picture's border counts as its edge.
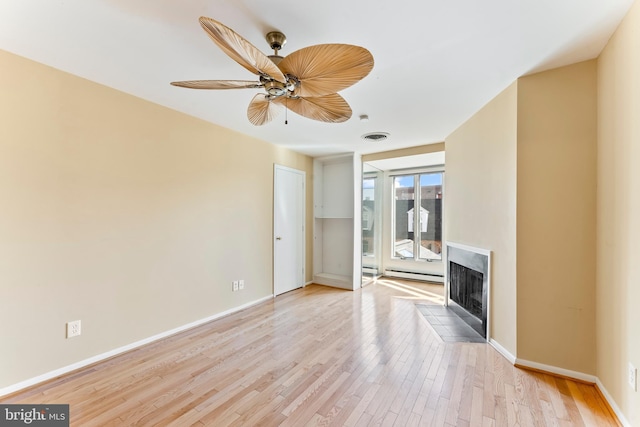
(375, 136)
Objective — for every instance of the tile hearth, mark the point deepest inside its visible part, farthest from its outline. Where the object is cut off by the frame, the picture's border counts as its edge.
(448, 325)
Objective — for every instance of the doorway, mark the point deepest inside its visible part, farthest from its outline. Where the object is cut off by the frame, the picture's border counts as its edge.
(411, 216)
(288, 229)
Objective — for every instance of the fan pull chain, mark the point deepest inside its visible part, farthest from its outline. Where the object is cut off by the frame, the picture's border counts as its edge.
(286, 110)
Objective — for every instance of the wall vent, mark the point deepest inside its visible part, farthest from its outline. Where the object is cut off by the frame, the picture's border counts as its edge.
(375, 136)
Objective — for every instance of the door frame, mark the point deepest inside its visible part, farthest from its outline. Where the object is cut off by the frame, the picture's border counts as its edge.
(301, 234)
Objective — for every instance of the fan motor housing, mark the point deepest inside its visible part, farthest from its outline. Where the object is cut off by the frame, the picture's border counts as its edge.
(275, 88)
(275, 58)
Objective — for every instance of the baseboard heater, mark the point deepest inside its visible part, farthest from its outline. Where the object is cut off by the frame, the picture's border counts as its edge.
(428, 277)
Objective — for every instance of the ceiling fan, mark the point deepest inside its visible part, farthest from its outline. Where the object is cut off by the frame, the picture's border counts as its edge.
(306, 81)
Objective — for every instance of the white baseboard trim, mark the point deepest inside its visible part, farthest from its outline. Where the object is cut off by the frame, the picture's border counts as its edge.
(503, 351)
(558, 371)
(334, 280)
(86, 362)
(612, 404)
(565, 373)
(581, 377)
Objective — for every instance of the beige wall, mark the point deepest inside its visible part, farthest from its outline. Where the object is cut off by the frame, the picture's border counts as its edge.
(129, 216)
(618, 255)
(577, 213)
(480, 206)
(521, 182)
(556, 216)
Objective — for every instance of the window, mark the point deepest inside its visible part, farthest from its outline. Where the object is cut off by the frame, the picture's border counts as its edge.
(417, 234)
(368, 215)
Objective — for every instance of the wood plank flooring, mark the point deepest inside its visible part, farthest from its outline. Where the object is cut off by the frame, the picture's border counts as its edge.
(320, 356)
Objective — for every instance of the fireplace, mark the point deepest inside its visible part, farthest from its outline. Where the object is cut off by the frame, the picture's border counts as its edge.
(468, 285)
(466, 288)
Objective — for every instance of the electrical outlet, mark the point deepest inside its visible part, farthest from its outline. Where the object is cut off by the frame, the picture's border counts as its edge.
(633, 377)
(241, 284)
(74, 329)
(234, 286)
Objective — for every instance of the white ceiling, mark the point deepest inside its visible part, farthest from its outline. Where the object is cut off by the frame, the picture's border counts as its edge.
(436, 62)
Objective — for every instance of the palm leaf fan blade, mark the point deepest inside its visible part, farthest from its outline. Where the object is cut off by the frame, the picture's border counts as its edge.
(328, 108)
(218, 84)
(261, 110)
(240, 50)
(327, 68)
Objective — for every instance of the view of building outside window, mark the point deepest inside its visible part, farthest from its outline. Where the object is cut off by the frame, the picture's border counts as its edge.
(418, 236)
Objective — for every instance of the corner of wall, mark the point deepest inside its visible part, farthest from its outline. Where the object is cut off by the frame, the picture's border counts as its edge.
(556, 223)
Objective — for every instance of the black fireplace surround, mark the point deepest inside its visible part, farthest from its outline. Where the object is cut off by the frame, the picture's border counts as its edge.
(468, 272)
(466, 288)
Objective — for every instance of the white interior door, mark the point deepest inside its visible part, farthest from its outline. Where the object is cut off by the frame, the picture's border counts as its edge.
(288, 229)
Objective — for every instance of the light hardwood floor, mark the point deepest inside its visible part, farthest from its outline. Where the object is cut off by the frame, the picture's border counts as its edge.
(320, 356)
